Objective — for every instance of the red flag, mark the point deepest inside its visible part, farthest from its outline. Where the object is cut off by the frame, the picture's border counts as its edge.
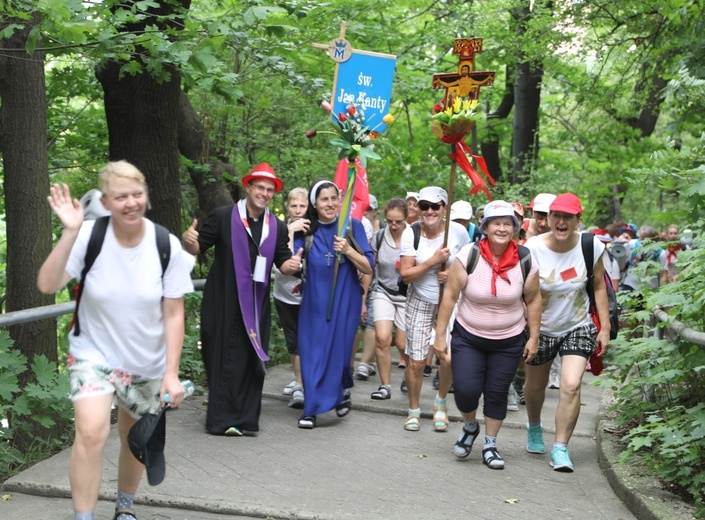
(361, 196)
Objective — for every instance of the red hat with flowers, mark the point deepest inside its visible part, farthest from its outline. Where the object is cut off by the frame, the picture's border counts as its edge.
(264, 171)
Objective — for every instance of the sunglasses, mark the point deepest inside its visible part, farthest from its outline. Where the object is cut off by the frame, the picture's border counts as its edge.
(425, 206)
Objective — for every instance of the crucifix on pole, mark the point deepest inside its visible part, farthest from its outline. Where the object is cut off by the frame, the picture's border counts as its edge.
(464, 84)
(454, 119)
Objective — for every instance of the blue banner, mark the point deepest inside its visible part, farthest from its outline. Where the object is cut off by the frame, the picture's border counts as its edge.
(366, 79)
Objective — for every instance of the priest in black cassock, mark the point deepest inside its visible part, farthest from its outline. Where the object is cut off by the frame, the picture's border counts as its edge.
(236, 314)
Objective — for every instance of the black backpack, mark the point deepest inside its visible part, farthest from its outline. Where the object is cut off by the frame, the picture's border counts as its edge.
(95, 244)
(587, 245)
(524, 260)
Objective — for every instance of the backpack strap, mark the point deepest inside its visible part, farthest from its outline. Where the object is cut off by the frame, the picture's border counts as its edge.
(163, 246)
(95, 244)
(416, 228)
(473, 258)
(379, 237)
(354, 243)
(587, 245)
(525, 261)
(308, 240)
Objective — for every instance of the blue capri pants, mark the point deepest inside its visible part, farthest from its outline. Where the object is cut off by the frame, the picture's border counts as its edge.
(484, 367)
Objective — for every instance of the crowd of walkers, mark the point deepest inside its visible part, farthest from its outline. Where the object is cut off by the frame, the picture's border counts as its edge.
(497, 301)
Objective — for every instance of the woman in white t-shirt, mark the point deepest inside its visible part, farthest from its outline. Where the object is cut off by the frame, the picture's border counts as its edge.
(566, 325)
(131, 327)
(498, 300)
(423, 253)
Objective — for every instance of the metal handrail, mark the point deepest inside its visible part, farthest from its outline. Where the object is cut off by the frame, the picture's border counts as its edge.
(685, 332)
(52, 311)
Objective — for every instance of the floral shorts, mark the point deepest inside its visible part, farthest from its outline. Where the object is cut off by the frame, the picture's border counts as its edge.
(135, 394)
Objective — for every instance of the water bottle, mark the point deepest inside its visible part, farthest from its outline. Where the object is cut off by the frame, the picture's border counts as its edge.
(189, 389)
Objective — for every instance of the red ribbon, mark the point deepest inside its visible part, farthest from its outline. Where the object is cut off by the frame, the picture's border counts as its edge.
(460, 155)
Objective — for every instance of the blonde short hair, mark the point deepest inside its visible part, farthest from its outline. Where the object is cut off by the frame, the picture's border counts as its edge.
(297, 193)
(119, 169)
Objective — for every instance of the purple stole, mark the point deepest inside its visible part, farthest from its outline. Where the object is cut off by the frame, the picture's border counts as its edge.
(251, 294)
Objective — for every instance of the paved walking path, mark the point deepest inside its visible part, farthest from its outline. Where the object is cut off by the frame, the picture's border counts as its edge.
(364, 466)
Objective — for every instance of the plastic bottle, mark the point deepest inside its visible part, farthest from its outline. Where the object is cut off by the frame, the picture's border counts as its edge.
(189, 389)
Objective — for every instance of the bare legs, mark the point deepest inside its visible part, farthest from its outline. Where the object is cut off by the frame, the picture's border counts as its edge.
(92, 416)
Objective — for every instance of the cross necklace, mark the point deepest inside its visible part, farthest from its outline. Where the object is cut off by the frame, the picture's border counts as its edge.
(329, 255)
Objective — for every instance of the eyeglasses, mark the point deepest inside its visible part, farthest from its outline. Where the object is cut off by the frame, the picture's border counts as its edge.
(395, 222)
(425, 206)
(264, 189)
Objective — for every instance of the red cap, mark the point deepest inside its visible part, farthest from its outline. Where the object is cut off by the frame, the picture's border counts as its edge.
(602, 235)
(518, 209)
(264, 171)
(567, 203)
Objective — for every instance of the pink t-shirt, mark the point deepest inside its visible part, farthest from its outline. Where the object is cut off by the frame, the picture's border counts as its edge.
(486, 315)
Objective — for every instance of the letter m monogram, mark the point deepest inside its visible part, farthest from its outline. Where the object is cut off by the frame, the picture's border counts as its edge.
(339, 50)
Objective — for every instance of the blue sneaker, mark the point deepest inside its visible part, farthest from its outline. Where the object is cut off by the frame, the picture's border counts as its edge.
(560, 460)
(534, 439)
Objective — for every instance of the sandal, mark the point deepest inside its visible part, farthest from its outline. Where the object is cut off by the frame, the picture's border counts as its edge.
(344, 406)
(413, 422)
(492, 459)
(440, 417)
(233, 431)
(297, 398)
(463, 446)
(124, 511)
(307, 422)
(383, 392)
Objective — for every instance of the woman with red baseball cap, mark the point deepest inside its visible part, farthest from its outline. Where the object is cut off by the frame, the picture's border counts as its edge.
(566, 324)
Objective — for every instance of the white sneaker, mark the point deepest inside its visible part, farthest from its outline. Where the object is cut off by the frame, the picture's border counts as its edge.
(512, 400)
(289, 388)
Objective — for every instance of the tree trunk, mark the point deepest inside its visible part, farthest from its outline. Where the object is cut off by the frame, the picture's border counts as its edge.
(490, 143)
(142, 117)
(193, 145)
(23, 143)
(527, 100)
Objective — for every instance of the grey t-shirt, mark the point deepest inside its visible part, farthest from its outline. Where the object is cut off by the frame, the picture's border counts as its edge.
(387, 264)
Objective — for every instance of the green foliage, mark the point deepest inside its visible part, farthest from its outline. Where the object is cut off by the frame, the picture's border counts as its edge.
(36, 420)
(191, 366)
(660, 384)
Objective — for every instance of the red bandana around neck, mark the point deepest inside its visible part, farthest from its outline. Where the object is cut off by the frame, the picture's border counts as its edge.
(673, 250)
(509, 259)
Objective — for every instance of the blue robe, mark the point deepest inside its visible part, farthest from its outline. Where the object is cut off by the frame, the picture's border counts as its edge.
(326, 346)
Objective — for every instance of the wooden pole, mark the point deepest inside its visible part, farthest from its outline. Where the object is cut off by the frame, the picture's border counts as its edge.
(451, 184)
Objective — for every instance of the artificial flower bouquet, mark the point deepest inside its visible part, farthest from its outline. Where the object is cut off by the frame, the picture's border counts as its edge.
(355, 136)
(453, 122)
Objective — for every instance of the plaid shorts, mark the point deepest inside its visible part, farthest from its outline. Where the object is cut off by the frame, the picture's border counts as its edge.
(580, 342)
(135, 394)
(419, 325)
